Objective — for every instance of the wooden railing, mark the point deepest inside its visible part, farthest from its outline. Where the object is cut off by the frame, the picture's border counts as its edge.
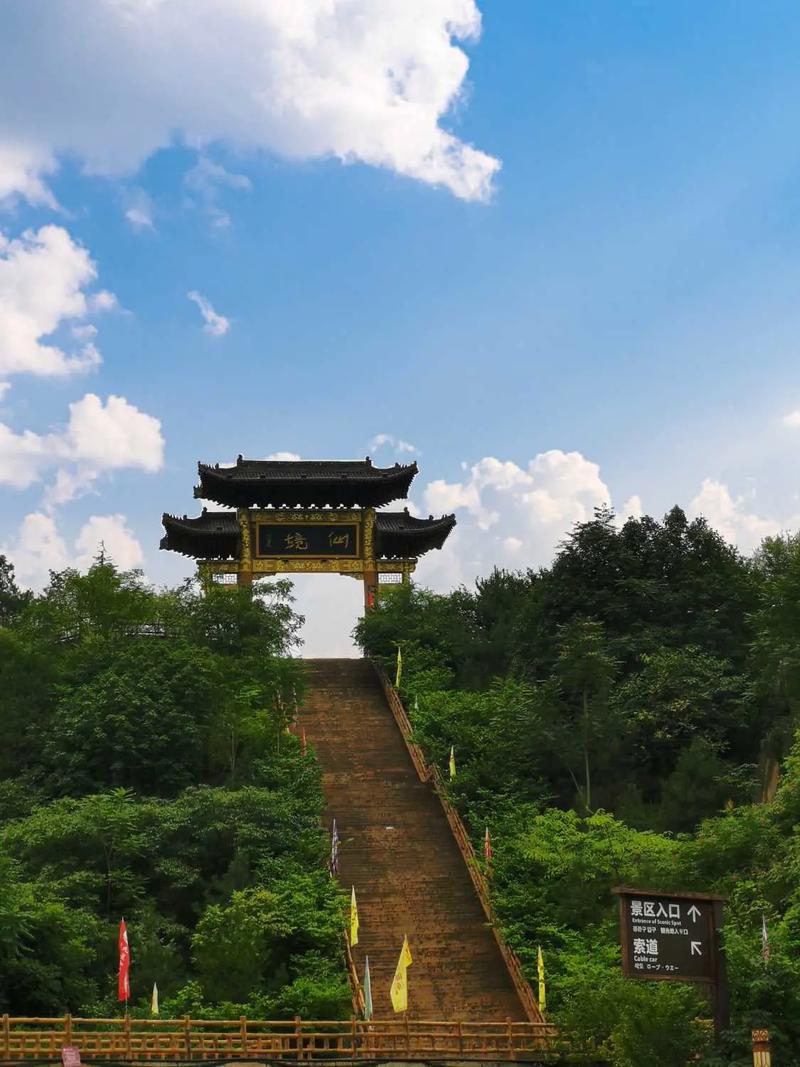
(142, 1040)
(431, 773)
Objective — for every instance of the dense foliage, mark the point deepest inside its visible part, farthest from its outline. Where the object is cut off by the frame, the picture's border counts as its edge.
(146, 771)
(618, 718)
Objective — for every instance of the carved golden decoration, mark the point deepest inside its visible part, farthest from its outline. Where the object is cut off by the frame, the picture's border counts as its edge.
(369, 534)
(245, 553)
(248, 567)
(291, 516)
(258, 567)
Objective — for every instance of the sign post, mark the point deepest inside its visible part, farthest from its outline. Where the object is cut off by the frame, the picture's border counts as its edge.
(675, 937)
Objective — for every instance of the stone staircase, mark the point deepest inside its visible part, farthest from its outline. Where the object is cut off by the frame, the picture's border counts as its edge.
(398, 852)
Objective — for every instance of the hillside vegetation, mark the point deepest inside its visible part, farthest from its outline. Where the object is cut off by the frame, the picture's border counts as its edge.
(616, 719)
(146, 772)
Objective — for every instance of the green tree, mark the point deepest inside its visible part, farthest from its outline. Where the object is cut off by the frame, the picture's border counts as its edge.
(585, 668)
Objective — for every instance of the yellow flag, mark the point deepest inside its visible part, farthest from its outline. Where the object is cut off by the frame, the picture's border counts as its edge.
(399, 990)
(398, 674)
(452, 762)
(542, 987)
(353, 918)
(154, 1000)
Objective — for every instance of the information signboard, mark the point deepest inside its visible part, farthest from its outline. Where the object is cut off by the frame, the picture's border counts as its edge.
(674, 937)
(667, 937)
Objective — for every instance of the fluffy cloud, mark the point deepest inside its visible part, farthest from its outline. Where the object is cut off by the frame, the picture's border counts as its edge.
(511, 515)
(730, 517)
(98, 437)
(39, 547)
(352, 79)
(21, 173)
(215, 324)
(792, 419)
(111, 533)
(43, 281)
(113, 435)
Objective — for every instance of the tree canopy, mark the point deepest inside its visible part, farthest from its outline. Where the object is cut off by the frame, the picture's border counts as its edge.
(147, 772)
(618, 717)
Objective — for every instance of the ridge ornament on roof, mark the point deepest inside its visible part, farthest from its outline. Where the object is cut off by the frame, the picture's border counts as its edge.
(298, 516)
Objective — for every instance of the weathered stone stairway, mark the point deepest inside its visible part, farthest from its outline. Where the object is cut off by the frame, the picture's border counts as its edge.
(398, 852)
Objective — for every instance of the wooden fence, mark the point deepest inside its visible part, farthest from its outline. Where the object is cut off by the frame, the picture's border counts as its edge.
(143, 1040)
(431, 773)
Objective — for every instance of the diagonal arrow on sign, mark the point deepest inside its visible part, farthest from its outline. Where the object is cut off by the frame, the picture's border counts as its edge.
(696, 948)
(694, 911)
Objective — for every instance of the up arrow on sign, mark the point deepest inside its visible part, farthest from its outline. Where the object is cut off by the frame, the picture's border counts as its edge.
(694, 911)
(696, 949)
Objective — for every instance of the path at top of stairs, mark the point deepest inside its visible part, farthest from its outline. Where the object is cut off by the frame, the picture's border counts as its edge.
(398, 851)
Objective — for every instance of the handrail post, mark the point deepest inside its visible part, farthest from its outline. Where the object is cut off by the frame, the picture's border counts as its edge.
(6, 1037)
(67, 1029)
(243, 1033)
(187, 1037)
(298, 1030)
(408, 1034)
(127, 1032)
(511, 1050)
(353, 1036)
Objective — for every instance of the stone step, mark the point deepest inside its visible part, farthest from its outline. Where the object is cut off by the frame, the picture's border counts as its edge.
(398, 850)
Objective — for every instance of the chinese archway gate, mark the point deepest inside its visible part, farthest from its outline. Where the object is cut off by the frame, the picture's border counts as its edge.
(291, 517)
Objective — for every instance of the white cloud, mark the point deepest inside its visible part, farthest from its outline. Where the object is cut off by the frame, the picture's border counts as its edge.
(43, 278)
(511, 515)
(139, 210)
(730, 517)
(112, 534)
(103, 301)
(631, 509)
(203, 183)
(21, 172)
(215, 324)
(286, 457)
(99, 437)
(357, 80)
(792, 419)
(39, 547)
(387, 440)
(113, 435)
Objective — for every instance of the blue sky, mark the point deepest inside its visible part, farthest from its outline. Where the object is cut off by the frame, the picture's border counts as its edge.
(616, 318)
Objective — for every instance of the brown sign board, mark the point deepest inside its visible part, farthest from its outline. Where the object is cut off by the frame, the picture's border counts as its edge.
(669, 935)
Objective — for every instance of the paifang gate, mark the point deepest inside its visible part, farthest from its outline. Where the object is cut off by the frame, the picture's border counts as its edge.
(300, 516)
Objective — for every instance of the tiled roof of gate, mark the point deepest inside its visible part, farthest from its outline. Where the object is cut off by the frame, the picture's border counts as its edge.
(308, 483)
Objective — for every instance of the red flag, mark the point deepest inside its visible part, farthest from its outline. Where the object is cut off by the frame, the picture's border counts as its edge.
(487, 848)
(124, 985)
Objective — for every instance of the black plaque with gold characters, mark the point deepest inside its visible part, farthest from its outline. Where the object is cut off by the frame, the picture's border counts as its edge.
(282, 539)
